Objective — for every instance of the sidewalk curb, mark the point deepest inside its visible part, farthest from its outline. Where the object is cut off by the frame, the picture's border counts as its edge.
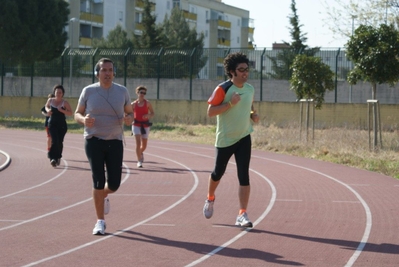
(7, 162)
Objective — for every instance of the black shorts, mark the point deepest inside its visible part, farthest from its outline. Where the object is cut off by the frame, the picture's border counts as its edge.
(105, 154)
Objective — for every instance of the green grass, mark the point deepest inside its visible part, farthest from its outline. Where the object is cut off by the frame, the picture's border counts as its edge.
(348, 147)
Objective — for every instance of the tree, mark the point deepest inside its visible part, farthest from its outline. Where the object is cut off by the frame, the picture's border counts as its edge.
(117, 41)
(149, 43)
(375, 54)
(282, 62)
(181, 41)
(311, 78)
(152, 35)
(32, 30)
(117, 38)
(342, 14)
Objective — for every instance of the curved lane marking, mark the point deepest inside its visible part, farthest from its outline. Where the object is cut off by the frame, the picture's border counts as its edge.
(364, 238)
(195, 185)
(350, 262)
(367, 210)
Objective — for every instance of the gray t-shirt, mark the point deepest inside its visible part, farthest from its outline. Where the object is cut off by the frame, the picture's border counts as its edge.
(107, 106)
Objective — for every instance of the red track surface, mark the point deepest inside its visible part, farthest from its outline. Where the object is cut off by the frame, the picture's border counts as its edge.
(305, 212)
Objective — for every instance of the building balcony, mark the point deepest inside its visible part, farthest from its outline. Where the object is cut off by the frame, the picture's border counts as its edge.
(223, 41)
(190, 16)
(139, 26)
(91, 17)
(224, 24)
(140, 5)
(85, 41)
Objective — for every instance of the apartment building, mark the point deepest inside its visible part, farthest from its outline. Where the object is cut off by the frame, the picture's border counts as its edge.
(223, 26)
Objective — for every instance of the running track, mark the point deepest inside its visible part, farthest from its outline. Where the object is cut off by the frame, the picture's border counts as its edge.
(305, 212)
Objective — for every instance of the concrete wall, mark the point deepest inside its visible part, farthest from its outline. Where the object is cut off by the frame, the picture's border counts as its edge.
(179, 89)
(194, 112)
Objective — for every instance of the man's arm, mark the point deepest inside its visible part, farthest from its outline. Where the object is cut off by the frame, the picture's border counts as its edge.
(214, 110)
(128, 115)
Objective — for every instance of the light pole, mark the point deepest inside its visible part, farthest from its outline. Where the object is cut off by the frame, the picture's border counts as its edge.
(70, 54)
(350, 88)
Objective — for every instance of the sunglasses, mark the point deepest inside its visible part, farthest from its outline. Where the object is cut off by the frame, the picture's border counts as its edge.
(243, 69)
(142, 93)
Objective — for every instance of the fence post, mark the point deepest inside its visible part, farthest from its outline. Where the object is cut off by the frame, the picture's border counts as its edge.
(31, 78)
(191, 73)
(336, 72)
(62, 65)
(2, 79)
(261, 74)
(93, 65)
(125, 66)
(159, 70)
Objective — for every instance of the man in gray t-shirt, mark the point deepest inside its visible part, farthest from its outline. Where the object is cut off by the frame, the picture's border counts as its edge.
(103, 108)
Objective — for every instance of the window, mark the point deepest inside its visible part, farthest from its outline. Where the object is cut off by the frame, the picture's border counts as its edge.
(176, 3)
(121, 15)
(168, 5)
(238, 22)
(238, 40)
(138, 17)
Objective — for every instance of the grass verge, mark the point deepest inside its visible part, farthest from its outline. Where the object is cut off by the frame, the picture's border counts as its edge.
(349, 147)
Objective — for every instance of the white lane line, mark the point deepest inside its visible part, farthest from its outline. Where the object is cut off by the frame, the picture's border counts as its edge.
(232, 240)
(293, 200)
(195, 185)
(38, 185)
(159, 224)
(62, 209)
(346, 201)
(263, 215)
(367, 230)
(146, 195)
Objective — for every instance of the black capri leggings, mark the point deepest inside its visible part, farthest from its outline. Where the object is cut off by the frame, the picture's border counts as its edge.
(105, 153)
(242, 154)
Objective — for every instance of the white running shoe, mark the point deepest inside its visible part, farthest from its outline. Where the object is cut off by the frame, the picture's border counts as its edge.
(53, 163)
(107, 206)
(99, 228)
(139, 164)
(243, 221)
(208, 208)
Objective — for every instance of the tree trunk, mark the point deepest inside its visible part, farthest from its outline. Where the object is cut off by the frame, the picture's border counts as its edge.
(374, 91)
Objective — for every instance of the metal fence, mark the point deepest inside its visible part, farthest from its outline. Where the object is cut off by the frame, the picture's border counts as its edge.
(189, 66)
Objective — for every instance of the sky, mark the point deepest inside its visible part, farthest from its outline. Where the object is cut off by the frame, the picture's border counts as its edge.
(272, 23)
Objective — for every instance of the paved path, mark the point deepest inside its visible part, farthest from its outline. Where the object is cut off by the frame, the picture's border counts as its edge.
(305, 212)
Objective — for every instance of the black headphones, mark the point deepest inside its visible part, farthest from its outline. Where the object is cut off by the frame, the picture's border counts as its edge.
(97, 67)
